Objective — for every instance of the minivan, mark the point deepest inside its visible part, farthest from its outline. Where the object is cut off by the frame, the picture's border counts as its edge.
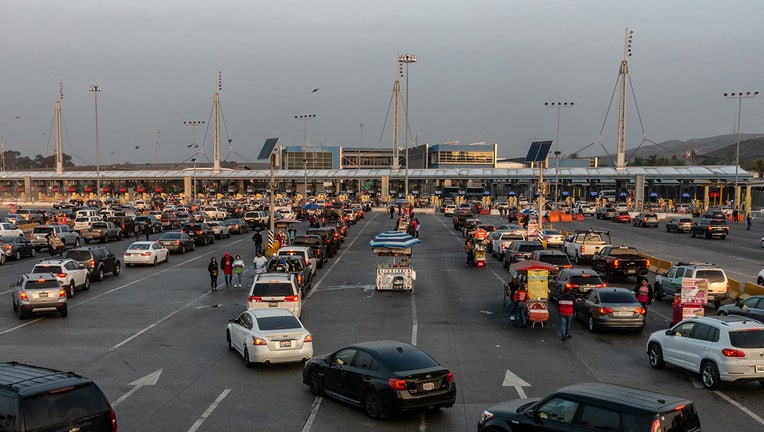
(34, 398)
(593, 406)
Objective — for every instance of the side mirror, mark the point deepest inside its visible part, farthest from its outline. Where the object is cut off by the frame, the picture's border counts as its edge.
(669, 332)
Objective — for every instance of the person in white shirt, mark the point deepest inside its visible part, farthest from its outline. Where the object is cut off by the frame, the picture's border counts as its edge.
(260, 261)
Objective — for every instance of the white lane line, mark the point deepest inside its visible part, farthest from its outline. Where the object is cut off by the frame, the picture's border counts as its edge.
(414, 321)
(740, 407)
(209, 411)
(313, 412)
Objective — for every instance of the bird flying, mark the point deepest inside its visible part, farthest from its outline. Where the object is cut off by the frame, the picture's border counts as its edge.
(315, 90)
(137, 147)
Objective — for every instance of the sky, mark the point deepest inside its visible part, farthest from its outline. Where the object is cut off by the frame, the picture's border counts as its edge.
(484, 71)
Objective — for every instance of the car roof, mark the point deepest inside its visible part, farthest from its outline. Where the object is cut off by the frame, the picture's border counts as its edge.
(730, 321)
(618, 394)
(33, 276)
(382, 347)
(579, 271)
(27, 379)
(58, 261)
(274, 276)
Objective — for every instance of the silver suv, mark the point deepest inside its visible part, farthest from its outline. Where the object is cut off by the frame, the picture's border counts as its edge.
(667, 284)
(63, 232)
(275, 290)
(70, 274)
(38, 292)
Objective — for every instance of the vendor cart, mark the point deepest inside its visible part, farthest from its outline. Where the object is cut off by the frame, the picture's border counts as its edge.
(536, 275)
(394, 270)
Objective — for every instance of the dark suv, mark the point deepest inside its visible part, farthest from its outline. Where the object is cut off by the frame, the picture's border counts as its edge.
(316, 243)
(34, 398)
(330, 236)
(200, 232)
(593, 406)
(708, 228)
(98, 259)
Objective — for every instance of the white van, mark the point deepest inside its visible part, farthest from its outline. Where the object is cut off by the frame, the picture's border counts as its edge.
(86, 213)
(608, 194)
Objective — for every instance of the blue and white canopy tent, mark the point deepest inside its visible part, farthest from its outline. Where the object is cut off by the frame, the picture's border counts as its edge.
(395, 273)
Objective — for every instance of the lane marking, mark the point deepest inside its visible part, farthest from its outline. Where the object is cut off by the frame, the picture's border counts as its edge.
(313, 412)
(209, 411)
(740, 407)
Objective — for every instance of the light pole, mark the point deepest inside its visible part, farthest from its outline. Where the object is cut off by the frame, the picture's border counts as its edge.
(407, 59)
(193, 125)
(739, 96)
(95, 89)
(305, 118)
(305, 173)
(557, 153)
(193, 187)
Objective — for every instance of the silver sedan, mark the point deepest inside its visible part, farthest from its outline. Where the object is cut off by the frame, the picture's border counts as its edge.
(146, 252)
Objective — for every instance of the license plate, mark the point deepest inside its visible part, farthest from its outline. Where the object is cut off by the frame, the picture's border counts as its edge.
(621, 314)
(273, 304)
(710, 298)
(42, 295)
(285, 344)
(631, 271)
(759, 368)
(428, 386)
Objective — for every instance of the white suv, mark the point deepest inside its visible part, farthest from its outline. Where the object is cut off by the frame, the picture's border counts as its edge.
(720, 348)
(275, 290)
(70, 273)
(667, 284)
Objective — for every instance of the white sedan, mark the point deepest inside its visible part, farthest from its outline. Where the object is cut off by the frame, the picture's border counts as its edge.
(8, 229)
(220, 229)
(553, 237)
(146, 252)
(270, 335)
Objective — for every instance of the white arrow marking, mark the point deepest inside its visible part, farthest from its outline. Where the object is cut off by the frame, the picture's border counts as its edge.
(512, 380)
(150, 379)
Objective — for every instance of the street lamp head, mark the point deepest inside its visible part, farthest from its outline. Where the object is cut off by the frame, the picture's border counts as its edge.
(407, 58)
(95, 88)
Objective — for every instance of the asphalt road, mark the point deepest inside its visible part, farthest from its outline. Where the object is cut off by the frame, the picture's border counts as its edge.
(153, 338)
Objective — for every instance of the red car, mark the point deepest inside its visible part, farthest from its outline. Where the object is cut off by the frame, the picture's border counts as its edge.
(622, 217)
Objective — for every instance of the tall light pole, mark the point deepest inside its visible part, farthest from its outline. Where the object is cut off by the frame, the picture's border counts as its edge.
(407, 59)
(305, 173)
(193, 187)
(739, 96)
(557, 153)
(95, 89)
(305, 118)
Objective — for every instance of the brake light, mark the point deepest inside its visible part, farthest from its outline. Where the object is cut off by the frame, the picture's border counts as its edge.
(61, 294)
(254, 299)
(397, 384)
(60, 275)
(8, 247)
(604, 310)
(567, 266)
(308, 338)
(616, 263)
(113, 418)
(450, 377)
(23, 296)
(582, 249)
(92, 263)
(258, 341)
(570, 285)
(299, 279)
(729, 352)
(293, 298)
(656, 426)
(640, 310)
(600, 285)
(647, 263)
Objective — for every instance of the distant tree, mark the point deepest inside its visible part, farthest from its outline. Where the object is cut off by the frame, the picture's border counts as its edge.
(755, 165)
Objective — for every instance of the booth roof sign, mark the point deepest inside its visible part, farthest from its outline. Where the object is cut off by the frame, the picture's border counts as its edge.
(388, 251)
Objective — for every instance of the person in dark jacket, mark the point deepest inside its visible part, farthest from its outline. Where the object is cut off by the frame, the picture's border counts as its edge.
(147, 230)
(565, 304)
(258, 239)
(212, 268)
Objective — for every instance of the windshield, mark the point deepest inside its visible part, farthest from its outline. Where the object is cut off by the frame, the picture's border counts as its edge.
(747, 338)
(711, 275)
(272, 289)
(278, 323)
(617, 297)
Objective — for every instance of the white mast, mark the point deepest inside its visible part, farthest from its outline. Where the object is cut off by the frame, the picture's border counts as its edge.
(624, 72)
(216, 144)
(59, 135)
(396, 124)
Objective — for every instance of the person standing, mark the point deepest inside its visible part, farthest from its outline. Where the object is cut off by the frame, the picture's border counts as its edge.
(212, 267)
(520, 298)
(238, 269)
(644, 293)
(565, 304)
(392, 212)
(147, 230)
(468, 246)
(748, 221)
(260, 262)
(226, 264)
(257, 237)
(416, 227)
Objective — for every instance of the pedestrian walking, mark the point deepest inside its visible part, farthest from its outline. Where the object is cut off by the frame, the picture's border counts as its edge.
(512, 287)
(147, 230)
(468, 249)
(260, 262)
(565, 308)
(226, 264)
(520, 298)
(748, 222)
(238, 269)
(212, 267)
(644, 293)
(416, 227)
(257, 237)
(392, 212)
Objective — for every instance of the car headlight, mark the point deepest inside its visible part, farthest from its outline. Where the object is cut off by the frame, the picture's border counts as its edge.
(487, 415)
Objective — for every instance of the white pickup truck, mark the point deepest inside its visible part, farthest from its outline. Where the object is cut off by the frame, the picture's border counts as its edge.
(582, 245)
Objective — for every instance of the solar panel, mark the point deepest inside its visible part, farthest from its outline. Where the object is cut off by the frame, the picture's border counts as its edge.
(268, 147)
(539, 151)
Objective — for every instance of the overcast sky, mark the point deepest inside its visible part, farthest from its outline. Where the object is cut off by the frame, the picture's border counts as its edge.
(483, 73)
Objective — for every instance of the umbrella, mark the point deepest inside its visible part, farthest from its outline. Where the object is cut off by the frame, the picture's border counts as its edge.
(526, 265)
(393, 239)
(392, 235)
(313, 206)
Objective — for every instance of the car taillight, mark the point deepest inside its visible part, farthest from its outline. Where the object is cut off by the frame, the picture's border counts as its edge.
(640, 310)
(293, 298)
(656, 426)
(582, 249)
(450, 377)
(567, 266)
(92, 263)
(647, 263)
(729, 352)
(397, 384)
(8, 247)
(146, 254)
(61, 294)
(23, 296)
(570, 285)
(113, 417)
(616, 263)
(604, 310)
(258, 341)
(299, 279)
(600, 285)
(308, 338)
(60, 275)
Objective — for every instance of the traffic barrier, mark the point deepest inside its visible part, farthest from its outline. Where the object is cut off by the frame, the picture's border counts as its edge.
(554, 216)
(578, 217)
(751, 288)
(734, 288)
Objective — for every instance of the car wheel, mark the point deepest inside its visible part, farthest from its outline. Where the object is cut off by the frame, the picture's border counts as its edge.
(183, 249)
(247, 363)
(32, 252)
(77, 243)
(193, 246)
(228, 339)
(372, 405)
(577, 259)
(717, 303)
(64, 312)
(18, 255)
(156, 261)
(22, 314)
(709, 374)
(99, 274)
(591, 325)
(70, 290)
(655, 356)
(315, 383)
(86, 286)
(658, 291)
(692, 234)
(105, 239)
(116, 270)
(760, 281)
(722, 313)
(167, 257)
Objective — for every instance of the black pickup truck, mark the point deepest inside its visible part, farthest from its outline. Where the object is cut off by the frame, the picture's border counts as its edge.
(613, 261)
(461, 216)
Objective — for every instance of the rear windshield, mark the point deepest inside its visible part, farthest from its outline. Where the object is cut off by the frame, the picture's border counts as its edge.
(408, 360)
(684, 420)
(617, 297)
(77, 403)
(306, 241)
(42, 230)
(171, 236)
(278, 323)
(35, 284)
(47, 269)
(78, 255)
(272, 289)
(711, 275)
(585, 280)
(747, 338)
(554, 259)
(624, 251)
